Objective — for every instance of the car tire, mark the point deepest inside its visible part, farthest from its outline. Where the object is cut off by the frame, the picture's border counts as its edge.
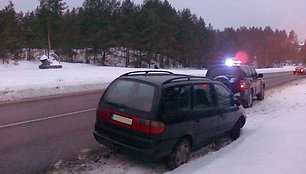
(235, 132)
(261, 95)
(179, 154)
(248, 103)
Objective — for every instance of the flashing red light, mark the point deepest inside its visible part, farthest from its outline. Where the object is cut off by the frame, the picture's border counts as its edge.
(204, 86)
(242, 57)
(302, 70)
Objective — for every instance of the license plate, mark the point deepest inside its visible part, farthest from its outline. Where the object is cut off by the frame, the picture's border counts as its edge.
(122, 119)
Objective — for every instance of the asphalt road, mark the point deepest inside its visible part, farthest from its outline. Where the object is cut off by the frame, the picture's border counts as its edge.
(276, 79)
(34, 135)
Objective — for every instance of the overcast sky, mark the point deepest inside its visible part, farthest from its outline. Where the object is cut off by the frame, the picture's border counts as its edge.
(280, 14)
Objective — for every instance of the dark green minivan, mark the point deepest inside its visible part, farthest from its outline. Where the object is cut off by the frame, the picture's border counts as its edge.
(165, 115)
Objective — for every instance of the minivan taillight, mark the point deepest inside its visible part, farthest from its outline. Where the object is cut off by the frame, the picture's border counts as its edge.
(104, 114)
(148, 126)
(138, 124)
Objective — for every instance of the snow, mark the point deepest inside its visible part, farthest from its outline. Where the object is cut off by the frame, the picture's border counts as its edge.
(24, 79)
(272, 141)
(43, 57)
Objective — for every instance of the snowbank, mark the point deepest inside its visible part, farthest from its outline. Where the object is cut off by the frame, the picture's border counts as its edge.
(26, 80)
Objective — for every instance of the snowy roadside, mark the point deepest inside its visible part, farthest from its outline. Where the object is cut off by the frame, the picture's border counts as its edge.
(26, 80)
(272, 141)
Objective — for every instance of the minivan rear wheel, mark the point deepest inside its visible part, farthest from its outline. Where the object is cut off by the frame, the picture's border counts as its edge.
(179, 154)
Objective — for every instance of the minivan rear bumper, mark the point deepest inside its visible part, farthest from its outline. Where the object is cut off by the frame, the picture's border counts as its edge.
(153, 150)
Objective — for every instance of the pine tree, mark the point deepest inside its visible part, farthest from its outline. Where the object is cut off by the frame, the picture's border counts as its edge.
(292, 46)
(185, 37)
(303, 53)
(127, 28)
(50, 13)
(98, 25)
(10, 32)
(30, 33)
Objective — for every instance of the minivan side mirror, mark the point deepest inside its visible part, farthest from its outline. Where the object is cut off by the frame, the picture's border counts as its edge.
(260, 75)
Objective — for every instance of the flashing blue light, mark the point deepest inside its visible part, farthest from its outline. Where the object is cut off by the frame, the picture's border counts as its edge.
(232, 62)
(229, 62)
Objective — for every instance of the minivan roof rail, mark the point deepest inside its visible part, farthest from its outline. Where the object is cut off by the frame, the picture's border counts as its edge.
(147, 72)
(186, 78)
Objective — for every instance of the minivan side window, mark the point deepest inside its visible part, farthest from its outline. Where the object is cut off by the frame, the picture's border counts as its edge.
(202, 96)
(224, 96)
(176, 98)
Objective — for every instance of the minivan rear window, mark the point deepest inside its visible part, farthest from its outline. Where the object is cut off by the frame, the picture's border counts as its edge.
(131, 94)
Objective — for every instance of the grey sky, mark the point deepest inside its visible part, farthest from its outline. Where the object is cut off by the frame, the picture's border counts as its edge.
(281, 14)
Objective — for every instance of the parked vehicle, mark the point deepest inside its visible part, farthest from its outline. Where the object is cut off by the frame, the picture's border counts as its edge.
(165, 115)
(242, 80)
(299, 70)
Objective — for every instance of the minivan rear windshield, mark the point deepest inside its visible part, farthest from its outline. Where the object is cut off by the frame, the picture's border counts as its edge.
(131, 94)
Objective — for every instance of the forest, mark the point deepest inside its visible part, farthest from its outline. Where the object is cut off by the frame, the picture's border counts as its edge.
(144, 32)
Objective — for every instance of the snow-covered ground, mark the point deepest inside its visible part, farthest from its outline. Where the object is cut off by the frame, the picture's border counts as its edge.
(26, 80)
(273, 140)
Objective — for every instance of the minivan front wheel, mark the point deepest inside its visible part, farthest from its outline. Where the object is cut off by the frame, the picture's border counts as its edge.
(179, 154)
